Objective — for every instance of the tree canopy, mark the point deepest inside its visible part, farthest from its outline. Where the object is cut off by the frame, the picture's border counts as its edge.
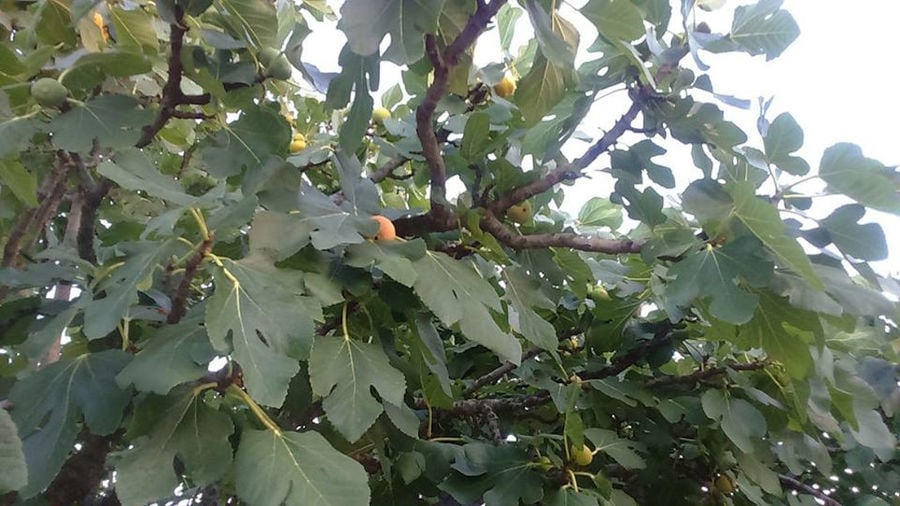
(196, 302)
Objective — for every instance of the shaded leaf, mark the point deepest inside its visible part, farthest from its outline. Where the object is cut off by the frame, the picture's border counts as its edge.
(181, 425)
(763, 220)
(246, 144)
(525, 294)
(456, 293)
(864, 241)
(343, 370)
(181, 350)
(261, 316)
(366, 22)
(50, 404)
(12, 460)
(115, 121)
(622, 450)
(122, 285)
(297, 468)
(865, 180)
(718, 273)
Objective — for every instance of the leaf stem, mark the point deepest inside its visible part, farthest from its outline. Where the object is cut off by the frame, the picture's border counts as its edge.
(344, 322)
(124, 328)
(255, 408)
(201, 223)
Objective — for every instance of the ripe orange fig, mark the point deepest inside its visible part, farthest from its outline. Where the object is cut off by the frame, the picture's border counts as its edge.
(386, 231)
(506, 87)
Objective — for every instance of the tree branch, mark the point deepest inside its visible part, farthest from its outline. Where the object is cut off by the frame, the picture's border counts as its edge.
(704, 374)
(386, 170)
(443, 63)
(51, 192)
(92, 198)
(179, 299)
(490, 223)
(571, 171)
(799, 486)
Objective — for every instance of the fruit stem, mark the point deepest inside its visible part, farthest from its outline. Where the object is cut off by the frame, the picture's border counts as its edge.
(255, 408)
(573, 480)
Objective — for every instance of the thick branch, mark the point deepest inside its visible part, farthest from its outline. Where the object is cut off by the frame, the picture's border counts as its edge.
(801, 487)
(490, 223)
(92, 198)
(171, 94)
(443, 63)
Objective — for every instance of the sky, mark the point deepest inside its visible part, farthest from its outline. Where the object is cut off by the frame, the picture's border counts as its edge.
(836, 80)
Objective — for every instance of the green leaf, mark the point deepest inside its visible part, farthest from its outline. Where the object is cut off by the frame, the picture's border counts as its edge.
(19, 181)
(545, 84)
(394, 258)
(135, 30)
(600, 212)
(763, 28)
(181, 425)
(255, 20)
(476, 137)
(783, 332)
(873, 432)
(784, 137)
(261, 316)
(708, 201)
(569, 497)
(53, 23)
(121, 286)
(456, 293)
(622, 450)
(549, 31)
(115, 121)
(332, 225)
(506, 23)
(93, 68)
(342, 371)
(741, 422)
(297, 468)
(763, 220)
(279, 235)
(866, 181)
(525, 294)
(174, 354)
(12, 460)
(718, 273)
(15, 133)
(863, 241)
(366, 22)
(615, 19)
(133, 170)
(497, 475)
(50, 403)
(246, 143)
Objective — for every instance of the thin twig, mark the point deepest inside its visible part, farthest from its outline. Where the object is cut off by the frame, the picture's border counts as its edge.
(704, 374)
(799, 486)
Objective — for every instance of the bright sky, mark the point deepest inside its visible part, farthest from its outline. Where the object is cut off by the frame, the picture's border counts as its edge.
(836, 80)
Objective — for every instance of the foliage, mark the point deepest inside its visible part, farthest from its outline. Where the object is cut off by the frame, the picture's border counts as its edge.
(191, 306)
